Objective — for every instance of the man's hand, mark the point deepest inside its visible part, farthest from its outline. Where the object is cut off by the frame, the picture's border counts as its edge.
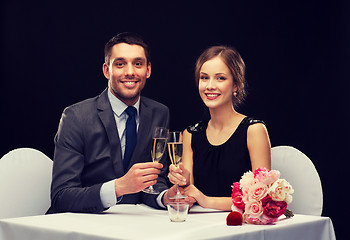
(139, 177)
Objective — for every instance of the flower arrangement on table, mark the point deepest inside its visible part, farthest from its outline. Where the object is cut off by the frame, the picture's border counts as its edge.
(260, 198)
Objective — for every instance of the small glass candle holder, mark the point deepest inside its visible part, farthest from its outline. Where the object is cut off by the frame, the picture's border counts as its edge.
(177, 211)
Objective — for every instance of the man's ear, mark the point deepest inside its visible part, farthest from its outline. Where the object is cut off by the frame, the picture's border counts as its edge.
(105, 70)
(148, 70)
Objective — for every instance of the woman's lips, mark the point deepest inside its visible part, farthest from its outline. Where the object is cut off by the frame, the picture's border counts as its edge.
(212, 96)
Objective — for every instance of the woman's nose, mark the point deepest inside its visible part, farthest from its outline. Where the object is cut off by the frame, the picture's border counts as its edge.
(211, 84)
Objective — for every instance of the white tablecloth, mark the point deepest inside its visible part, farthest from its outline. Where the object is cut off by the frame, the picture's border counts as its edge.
(142, 222)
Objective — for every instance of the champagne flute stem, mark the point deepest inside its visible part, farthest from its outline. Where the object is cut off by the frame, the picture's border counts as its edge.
(177, 190)
(177, 212)
(170, 155)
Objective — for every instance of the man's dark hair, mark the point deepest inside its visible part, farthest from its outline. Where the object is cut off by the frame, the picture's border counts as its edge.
(129, 38)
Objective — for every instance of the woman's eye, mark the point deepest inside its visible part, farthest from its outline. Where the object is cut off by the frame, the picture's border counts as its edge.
(204, 77)
(221, 78)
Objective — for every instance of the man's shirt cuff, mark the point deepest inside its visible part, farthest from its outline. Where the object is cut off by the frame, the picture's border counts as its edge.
(107, 194)
(160, 197)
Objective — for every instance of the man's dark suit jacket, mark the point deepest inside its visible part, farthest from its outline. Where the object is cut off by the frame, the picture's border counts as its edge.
(88, 154)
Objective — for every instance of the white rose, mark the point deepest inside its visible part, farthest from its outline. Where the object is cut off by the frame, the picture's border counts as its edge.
(281, 190)
(289, 199)
(247, 179)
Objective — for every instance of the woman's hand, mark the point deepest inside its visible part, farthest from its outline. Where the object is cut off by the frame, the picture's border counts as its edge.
(179, 175)
(192, 191)
(219, 203)
(168, 197)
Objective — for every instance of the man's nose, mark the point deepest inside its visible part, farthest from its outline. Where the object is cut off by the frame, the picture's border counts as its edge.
(129, 70)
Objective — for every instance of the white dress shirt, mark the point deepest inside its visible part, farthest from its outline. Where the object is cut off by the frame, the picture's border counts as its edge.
(107, 192)
(121, 116)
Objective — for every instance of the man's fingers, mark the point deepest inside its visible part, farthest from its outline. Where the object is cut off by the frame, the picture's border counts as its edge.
(149, 171)
(149, 183)
(145, 165)
(146, 181)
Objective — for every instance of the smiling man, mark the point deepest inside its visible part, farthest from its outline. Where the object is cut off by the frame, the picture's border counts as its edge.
(127, 69)
(103, 144)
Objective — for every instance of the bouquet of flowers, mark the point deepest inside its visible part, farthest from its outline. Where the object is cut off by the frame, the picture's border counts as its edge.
(260, 198)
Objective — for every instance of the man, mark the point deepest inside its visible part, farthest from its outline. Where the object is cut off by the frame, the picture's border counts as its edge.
(102, 153)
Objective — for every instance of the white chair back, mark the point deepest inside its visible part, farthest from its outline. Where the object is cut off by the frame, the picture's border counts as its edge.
(301, 173)
(25, 180)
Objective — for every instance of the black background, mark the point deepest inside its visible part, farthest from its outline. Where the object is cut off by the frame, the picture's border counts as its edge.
(297, 57)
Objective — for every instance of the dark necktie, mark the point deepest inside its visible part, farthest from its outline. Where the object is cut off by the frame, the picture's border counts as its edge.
(130, 136)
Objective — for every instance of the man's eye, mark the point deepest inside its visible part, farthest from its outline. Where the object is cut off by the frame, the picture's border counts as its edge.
(138, 64)
(119, 64)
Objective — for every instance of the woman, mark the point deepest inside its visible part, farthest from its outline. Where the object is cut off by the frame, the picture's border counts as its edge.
(216, 153)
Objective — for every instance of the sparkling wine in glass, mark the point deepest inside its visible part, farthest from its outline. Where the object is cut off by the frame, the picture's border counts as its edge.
(160, 137)
(175, 153)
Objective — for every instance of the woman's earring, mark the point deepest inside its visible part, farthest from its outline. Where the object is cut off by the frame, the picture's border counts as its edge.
(235, 94)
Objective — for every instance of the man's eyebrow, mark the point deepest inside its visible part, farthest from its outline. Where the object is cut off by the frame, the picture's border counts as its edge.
(123, 59)
(118, 59)
(139, 59)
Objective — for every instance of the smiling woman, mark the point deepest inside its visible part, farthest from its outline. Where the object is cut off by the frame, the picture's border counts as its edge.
(218, 152)
(216, 85)
(233, 67)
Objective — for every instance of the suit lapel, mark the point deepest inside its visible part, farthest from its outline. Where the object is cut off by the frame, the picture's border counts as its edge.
(105, 113)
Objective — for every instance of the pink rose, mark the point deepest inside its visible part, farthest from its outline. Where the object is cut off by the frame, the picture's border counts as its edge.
(257, 192)
(236, 209)
(273, 209)
(254, 209)
(268, 220)
(260, 221)
(273, 176)
(265, 176)
(260, 173)
(237, 196)
(245, 191)
(251, 220)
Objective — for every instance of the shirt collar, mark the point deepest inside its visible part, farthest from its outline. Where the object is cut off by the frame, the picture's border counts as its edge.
(118, 106)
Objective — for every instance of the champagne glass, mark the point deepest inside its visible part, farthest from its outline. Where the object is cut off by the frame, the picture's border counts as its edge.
(175, 153)
(160, 137)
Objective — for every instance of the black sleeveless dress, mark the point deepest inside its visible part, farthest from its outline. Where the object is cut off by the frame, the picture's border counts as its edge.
(216, 168)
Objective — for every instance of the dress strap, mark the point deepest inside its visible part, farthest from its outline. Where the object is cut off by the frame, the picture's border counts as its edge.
(252, 120)
(202, 126)
(197, 128)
